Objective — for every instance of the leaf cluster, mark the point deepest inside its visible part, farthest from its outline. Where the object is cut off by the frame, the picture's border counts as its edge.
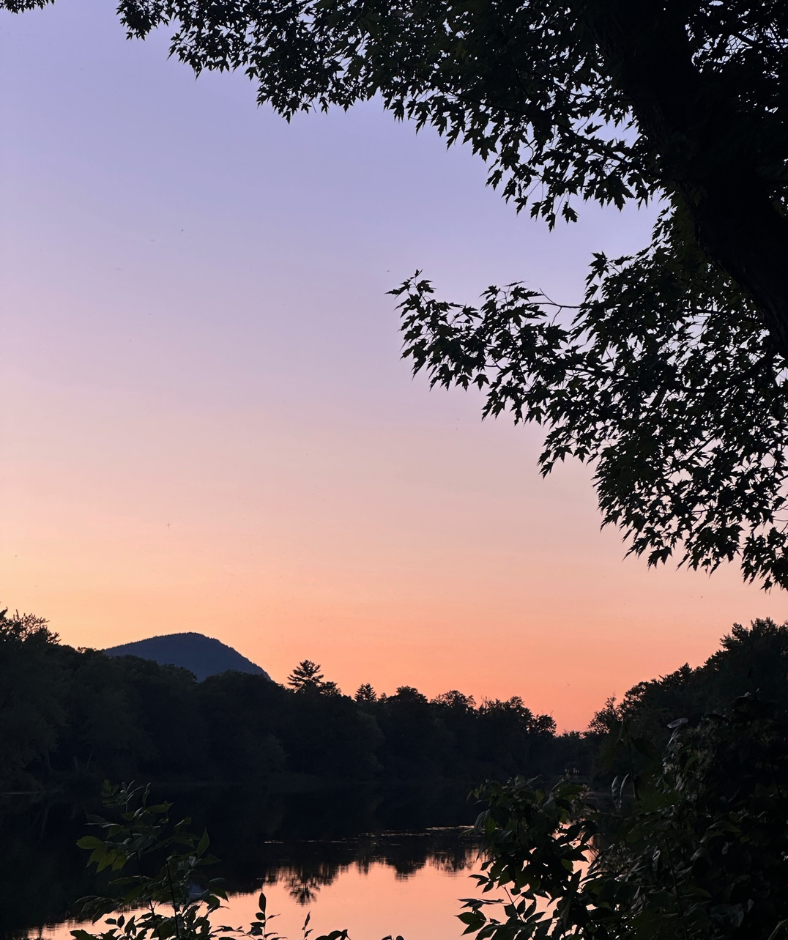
(163, 901)
(165, 896)
(159, 871)
(521, 83)
(695, 848)
(532, 87)
(663, 378)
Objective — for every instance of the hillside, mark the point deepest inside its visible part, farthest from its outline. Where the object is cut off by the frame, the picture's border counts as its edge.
(202, 655)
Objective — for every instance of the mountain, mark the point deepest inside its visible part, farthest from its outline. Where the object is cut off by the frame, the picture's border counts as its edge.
(200, 654)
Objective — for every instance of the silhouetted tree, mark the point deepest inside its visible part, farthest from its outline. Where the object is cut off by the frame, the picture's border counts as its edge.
(693, 846)
(456, 700)
(306, 675)
(32, 683)
(67, 713)
(751, 660)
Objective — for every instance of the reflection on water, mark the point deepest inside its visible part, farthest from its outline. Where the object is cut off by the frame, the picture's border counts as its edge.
(304, 868)
(331, 852)
(373, 901)
(397, 884)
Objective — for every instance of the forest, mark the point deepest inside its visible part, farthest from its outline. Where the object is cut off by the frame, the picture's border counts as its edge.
(71, 715)
(75, 717)
(670, 807)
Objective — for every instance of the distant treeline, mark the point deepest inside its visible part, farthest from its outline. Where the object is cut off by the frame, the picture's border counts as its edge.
(68, 714)
(752, 661)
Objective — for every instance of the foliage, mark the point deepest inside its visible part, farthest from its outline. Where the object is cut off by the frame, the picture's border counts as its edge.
(696, 851)
(306, 675)
(78, 715)
(163, 898)
(676, 854)
(665, 381)
(140, 835)
(671, 378)
(32, 715)
(753, 659)
(71, 715)
(692, 847)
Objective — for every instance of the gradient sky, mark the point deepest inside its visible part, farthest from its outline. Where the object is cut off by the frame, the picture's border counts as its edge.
(206, 424)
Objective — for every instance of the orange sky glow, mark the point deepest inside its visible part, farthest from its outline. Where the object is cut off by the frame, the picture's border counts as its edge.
(206, 422)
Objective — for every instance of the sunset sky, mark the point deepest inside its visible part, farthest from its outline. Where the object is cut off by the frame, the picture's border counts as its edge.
(206, 423)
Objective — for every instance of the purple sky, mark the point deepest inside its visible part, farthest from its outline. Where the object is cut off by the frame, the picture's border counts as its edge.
(205, 420)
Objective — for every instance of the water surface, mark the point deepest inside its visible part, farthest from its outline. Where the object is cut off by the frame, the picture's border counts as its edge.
(404, 884)
(373, 861)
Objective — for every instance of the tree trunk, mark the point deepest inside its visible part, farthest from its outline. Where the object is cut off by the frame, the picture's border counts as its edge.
(695, 131)
(746, 236)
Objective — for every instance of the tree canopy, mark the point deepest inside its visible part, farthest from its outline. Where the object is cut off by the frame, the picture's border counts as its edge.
(70, 715)
(306, 675)
(669, 375)
(692, 847)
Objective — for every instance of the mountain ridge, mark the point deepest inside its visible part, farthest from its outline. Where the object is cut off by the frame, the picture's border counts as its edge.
(202, 655)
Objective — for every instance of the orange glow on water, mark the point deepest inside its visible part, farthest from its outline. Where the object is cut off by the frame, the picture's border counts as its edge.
(370, 904)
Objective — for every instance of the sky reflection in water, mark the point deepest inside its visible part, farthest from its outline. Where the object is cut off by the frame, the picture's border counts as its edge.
(392, 886)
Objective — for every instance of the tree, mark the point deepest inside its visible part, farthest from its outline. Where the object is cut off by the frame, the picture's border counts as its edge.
(750, 660)
(365, 693)
(306, 675)
(695, 849)
(456, 700)
(31, 694)
(671, 376)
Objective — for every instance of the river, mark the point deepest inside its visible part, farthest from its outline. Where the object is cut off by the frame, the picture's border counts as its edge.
(360, 859)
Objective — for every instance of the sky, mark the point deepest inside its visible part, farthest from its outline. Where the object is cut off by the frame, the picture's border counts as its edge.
(206, 423)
